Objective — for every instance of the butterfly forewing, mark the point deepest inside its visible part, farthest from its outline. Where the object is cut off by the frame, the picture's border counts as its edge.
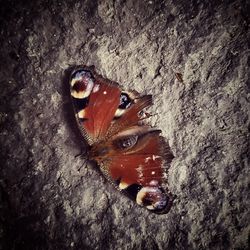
(95, 102)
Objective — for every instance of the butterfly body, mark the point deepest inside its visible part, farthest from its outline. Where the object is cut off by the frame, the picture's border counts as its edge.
(130, 153)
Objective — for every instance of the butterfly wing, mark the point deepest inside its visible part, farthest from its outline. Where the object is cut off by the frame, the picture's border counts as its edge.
(101, 108)
(95, 102)
(136, 162)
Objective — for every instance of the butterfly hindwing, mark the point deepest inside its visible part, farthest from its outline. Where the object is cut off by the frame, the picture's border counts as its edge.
(135, 163)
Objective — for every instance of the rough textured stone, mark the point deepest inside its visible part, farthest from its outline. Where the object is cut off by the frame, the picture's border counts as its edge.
(50, 199)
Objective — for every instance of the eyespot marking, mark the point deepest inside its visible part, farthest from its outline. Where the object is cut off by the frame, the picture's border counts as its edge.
(80, 74)
(132, 190)
(82, 83)
(152, 197)
(80, 103)
(125, 101)
(126, 142)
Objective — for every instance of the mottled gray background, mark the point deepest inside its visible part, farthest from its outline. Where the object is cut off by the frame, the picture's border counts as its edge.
(49, 199)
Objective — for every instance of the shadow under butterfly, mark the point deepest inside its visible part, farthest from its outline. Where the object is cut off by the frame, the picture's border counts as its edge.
(131, 154)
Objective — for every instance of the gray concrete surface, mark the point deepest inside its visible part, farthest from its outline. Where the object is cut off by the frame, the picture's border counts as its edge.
(50, 199)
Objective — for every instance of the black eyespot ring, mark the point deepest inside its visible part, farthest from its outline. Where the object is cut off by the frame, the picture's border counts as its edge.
(125, 101)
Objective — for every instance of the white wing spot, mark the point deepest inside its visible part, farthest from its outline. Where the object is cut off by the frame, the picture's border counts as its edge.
(154, 183)
(96, 88)
(155, 157)
(81, 114)
(147, 159)
(105, 92)
(139, 170)
(119, 112)
(123, 185)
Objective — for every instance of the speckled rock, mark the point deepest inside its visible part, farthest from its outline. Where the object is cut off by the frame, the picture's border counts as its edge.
(51, 199)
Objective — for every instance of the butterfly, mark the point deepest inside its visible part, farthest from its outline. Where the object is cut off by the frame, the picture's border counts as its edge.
(130, 153)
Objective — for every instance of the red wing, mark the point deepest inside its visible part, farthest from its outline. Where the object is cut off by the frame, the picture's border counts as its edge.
(131, 115)
(95, 101)
(142, 165)
(136, 169)
(98, 103)
(101, 109)
(136, 162)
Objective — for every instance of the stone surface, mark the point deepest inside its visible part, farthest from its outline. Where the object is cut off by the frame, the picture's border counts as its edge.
(50, 199)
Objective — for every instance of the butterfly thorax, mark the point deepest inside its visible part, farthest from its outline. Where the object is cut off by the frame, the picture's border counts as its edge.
(98, 151)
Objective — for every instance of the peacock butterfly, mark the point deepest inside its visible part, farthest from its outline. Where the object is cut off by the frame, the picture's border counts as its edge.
(131, 154)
